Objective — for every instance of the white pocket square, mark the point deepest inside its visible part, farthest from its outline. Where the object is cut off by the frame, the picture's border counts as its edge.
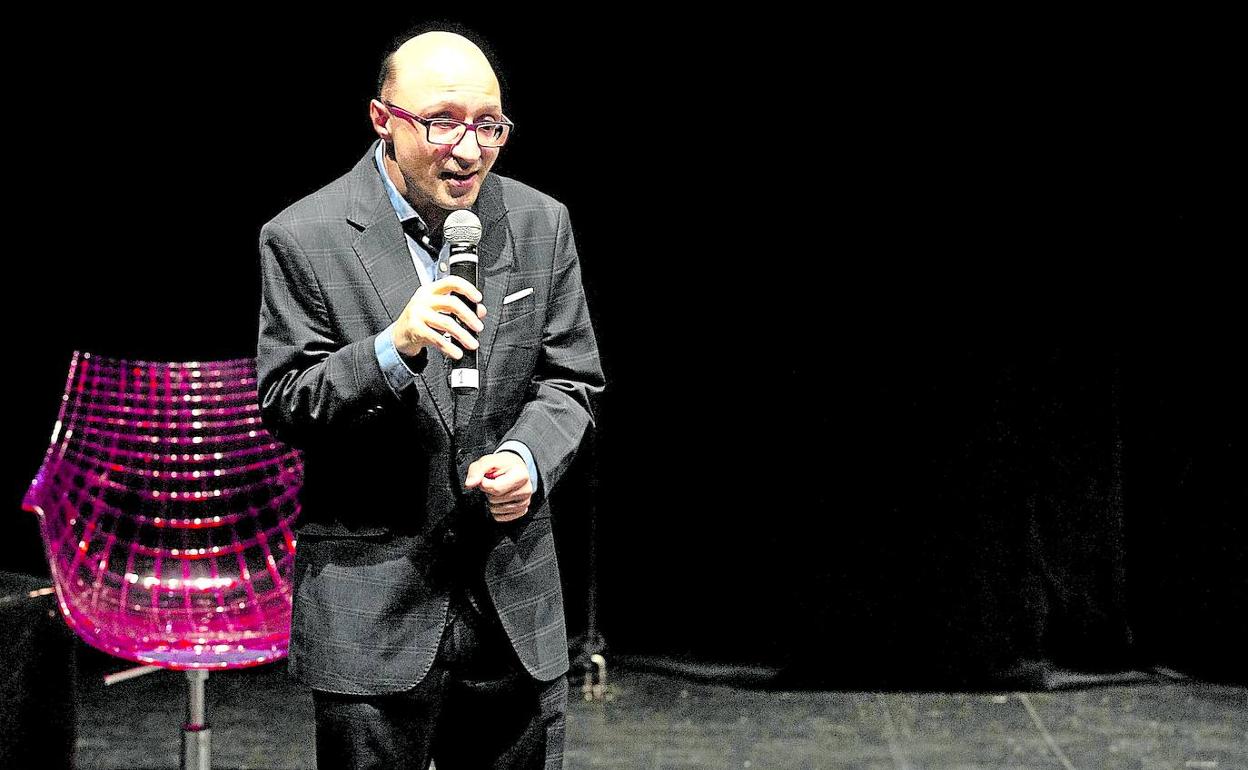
(510, 298)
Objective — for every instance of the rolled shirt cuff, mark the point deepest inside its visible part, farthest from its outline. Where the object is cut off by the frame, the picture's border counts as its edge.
(398, 374)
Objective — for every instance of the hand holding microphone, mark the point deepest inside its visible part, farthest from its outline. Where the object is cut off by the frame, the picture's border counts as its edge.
(447, 313)
(436, 317)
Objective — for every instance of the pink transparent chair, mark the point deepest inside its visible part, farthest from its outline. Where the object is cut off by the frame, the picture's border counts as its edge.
(167, 515)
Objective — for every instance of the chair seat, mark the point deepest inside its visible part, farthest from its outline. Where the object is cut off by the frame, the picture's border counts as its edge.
(167, 512)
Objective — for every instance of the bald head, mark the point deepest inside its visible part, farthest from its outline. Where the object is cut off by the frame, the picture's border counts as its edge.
(435, 61)
(437, 76)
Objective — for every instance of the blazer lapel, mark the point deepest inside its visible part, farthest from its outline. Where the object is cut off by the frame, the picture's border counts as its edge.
(382, 250)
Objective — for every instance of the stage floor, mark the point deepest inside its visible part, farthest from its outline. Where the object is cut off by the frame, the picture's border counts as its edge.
(262, 720)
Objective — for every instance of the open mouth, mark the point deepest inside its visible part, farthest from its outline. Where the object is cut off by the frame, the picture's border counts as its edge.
(457, 177)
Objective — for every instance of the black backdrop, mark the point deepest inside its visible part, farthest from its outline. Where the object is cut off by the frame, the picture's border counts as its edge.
(924, 353)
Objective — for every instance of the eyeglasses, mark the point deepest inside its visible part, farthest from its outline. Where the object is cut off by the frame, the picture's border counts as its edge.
(490, 133)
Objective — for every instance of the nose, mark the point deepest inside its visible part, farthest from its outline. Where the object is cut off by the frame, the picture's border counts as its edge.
(467, 148)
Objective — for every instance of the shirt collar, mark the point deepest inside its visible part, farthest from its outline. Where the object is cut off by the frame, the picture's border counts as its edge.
(402, 208)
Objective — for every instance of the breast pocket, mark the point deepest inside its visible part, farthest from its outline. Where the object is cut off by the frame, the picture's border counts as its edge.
(521, 331)
(517, 306)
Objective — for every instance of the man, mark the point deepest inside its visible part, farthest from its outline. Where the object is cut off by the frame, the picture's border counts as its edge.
(428, 616)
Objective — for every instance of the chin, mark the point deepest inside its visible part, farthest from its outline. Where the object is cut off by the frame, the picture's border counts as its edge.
(453, 202)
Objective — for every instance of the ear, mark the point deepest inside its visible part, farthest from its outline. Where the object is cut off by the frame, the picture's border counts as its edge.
(379, 116)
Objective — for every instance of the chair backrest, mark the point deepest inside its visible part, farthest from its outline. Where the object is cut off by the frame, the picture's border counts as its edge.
(167, 513)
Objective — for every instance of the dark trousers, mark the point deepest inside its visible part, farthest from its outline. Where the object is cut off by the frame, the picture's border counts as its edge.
(477, 708)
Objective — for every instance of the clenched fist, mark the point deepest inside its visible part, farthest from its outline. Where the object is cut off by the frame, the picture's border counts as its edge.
(504, 478)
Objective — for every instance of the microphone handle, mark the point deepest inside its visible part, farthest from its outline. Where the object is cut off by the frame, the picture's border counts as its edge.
(463, 264)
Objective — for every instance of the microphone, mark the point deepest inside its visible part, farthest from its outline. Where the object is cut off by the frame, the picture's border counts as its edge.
(462, 230)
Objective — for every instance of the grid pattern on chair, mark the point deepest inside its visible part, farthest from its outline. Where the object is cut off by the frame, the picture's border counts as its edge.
(167, 513)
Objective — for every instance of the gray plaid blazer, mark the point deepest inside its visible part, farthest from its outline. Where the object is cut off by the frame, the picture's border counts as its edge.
(386, 528)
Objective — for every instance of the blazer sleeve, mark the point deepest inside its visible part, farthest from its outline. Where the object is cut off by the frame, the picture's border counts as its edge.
(312, 384)
(568, 379)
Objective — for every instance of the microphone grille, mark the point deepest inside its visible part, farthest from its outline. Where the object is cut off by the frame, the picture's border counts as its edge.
(462, 227)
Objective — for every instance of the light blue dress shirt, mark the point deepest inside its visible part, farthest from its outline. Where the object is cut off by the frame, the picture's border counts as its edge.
(430, 269)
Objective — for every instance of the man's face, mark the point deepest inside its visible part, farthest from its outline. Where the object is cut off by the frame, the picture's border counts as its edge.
(437, 178)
